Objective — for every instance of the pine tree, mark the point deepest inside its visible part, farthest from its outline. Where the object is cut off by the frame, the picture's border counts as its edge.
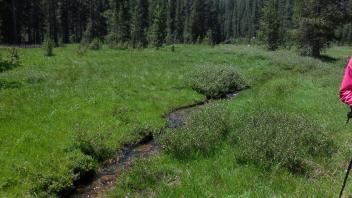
(316, 21)
(209, 38)
(286, 17)
(195, 22)
(348, 38)
(184, 21)
(52, 29)
(123, 23)
(140, 24)
(179, 21)
(228, 20)
(96, 20)
(88, 33)
(1, 29)
(1, 3)
(14, 21)
(79, 16)
(157, 32)
(270, 25)
(213, 23)
(64, 21)
(171, 13)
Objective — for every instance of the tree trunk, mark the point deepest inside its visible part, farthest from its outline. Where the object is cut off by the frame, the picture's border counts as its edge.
(14, 22)
(316, 50)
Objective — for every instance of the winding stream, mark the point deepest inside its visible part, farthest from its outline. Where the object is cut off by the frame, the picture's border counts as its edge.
(106, 177)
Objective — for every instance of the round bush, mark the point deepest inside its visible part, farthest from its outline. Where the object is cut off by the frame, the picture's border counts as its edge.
(96, 44)
(270, 138)
(202, 131)
(215, 81)
(48, 47)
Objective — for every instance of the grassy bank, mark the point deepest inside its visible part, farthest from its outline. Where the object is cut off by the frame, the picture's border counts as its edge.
(301, 93)
(103, 96)
(72, 110)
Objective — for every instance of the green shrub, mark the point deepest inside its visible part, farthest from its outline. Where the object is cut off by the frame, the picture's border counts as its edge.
(215, 81)
(122, 45)
(112, 40)
(51, 183)
(7, 183)
(80, 164)
(61, 43)
(139, 133)
(96, 44)
(54, 182)
(93, 143)
(202, 132)
(48, 47)
(209, 38)
(5, 65)
(14, 57)
(144, 175)
(273, 138)
(82, 49)
(4, 84)
(35, 77)
(12, 61)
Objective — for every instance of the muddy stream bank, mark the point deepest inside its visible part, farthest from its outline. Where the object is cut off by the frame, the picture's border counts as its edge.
(97, 184)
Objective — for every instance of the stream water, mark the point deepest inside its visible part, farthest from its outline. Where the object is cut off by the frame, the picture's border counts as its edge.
(106, 177)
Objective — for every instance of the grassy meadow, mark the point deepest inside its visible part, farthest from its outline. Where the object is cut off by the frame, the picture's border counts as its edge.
(69, 112)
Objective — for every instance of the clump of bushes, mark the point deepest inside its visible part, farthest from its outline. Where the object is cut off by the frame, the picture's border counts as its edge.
(35, 77)
(12, 61)
(7, 183)
(215, 81)
(56, 182)
(273, 138)
(5, 65)
(14, 57)
(82, 48)
(112, 40)
(96, 44)
(93, 144)
(51, 183)
(144, 175)
(48, 47)
(80, 164)
(202, 132)
(4, 84)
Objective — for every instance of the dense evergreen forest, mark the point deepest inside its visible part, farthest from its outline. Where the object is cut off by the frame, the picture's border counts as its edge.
(311, 24)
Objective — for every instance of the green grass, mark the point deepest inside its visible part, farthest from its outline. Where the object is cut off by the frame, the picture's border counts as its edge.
(112, 92)
(280, 80)
(101, 92)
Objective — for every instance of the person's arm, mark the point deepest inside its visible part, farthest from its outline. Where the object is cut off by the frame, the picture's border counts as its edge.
(346, 86)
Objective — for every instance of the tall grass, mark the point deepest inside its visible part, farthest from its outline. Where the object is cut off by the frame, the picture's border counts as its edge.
(273, 138)
(289, 122)
(203, 131)
(215, 81)
(110, 92)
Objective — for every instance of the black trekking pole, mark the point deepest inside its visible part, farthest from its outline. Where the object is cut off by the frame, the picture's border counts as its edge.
(349, 116)
(346, 177)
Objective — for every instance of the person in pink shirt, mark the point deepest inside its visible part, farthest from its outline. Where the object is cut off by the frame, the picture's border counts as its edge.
(346, 88)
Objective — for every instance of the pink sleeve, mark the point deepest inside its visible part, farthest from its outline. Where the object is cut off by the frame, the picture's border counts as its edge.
(346, 85)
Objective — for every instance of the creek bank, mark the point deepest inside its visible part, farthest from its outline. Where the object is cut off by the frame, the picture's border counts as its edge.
(96, 185)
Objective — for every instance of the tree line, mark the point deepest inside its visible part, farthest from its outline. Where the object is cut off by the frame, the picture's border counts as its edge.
(309, 24)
